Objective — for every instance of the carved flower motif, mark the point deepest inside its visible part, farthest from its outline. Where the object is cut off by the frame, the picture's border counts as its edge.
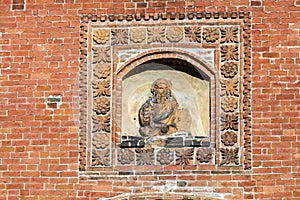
(165, 156)
(100, 157)
(119, 36)
(101, 54)
(229, 138)
(174, 34)
(102, 71)
(126, 156)
(100, 140)
(229, 104)
(101, 88)
(156, 34)
(211, 34)
(229, 34)
(229, 69)
(184, 157)
(229, 87)
(137, 35)
(229, 52)
(229, 122)
(101, 123)
(230, 156)
(193, 33)
(101, 105)
(101, 36)
(204, 155)
(144, 156)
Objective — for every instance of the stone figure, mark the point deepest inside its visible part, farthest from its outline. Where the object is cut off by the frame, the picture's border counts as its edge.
(159, 115)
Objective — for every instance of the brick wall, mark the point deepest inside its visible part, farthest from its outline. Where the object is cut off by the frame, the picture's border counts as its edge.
(39, 111)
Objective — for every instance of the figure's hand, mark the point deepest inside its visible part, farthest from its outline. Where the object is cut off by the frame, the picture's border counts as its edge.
(164, 129)
(146, 114)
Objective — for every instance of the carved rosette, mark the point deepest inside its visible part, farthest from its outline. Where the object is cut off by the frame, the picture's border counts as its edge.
(229, 69)
(229, 138)
(204, 155)
(100, 140)
(101, 36)
(165, 156)
(229, 104)
(126, 156)
(211, 34)
(138, 35)
(101, 105)
(174, 34)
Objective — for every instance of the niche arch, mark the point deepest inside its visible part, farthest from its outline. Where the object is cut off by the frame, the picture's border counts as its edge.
(175, 63)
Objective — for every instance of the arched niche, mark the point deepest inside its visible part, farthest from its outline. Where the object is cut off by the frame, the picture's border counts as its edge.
(193, 86)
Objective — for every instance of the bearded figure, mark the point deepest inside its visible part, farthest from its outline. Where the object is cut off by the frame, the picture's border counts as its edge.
(159, 115)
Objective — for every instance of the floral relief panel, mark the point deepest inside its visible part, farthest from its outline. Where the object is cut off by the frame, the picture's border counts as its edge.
(107, 56)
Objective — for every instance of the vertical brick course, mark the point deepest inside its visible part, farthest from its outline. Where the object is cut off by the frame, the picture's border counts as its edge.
(39, 57)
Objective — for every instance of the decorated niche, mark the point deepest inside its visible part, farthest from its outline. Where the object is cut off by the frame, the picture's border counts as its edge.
(175, 92)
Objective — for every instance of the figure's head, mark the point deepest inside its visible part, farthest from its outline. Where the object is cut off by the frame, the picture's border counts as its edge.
(161, 90)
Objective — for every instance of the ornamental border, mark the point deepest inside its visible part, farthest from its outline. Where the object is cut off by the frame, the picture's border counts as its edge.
(245, 87)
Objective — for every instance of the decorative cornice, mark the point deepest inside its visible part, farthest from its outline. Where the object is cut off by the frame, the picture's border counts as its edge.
(165, 16)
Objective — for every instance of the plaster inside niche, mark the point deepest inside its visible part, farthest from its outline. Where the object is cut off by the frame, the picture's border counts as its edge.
(191, 92)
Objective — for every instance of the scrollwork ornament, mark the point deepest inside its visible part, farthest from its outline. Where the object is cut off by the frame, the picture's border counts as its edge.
(230, 122)
(165, 156)
(126, 156)
(229, 52)
(102, 71)
(229, 87)
(101, 36)
(144, 156)
(230, 156)
(156, 34)
(211, 34)
(229, 138)
(174, 34)
(204, 155)
(100, 140)
(119, 36)
(229, 69)
(229, 104)
(193, 33)
(184, 157)
(101, 105)
(229, 34)
(138, 35)
(100, 157)
(101, 123)
(101, 55)
(101, 88)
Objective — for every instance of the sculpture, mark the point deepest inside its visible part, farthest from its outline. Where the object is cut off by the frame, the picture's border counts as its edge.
(159, 115)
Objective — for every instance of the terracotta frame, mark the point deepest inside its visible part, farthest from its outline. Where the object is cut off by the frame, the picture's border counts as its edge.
(242, 20)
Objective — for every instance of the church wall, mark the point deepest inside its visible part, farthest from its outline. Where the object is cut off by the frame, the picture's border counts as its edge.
(40, 103)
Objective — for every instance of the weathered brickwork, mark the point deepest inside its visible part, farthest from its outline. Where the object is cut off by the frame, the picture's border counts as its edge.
(42, 58)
